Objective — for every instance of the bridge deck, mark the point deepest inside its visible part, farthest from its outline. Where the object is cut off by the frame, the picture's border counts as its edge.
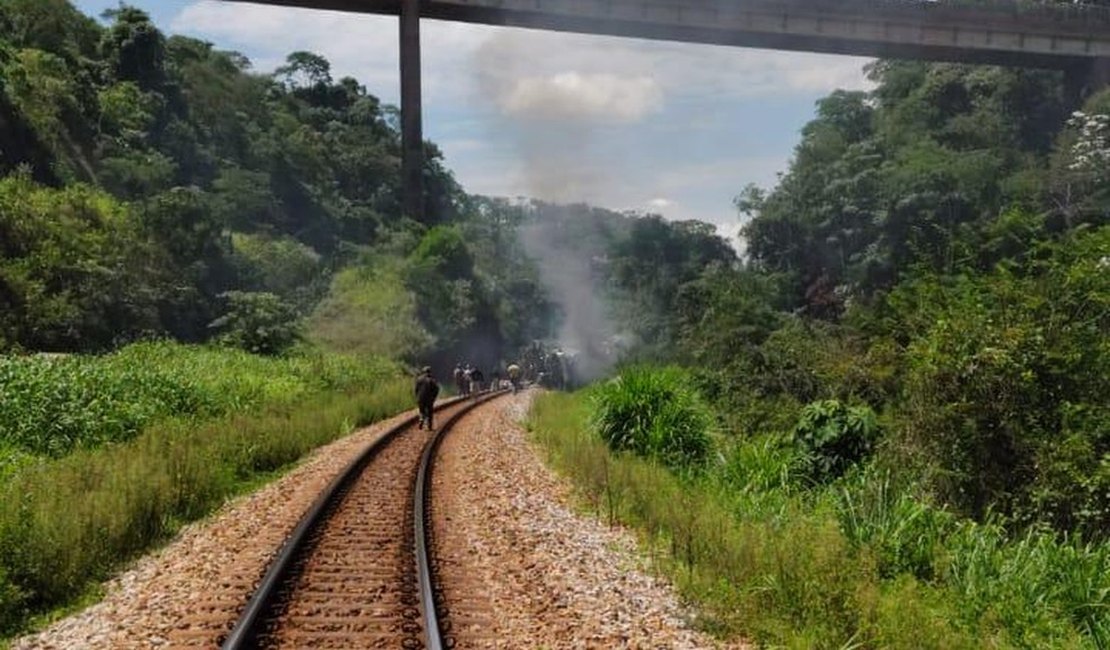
(1007, 33)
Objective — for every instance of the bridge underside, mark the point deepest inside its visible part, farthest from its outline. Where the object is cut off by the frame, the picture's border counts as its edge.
(889, 32)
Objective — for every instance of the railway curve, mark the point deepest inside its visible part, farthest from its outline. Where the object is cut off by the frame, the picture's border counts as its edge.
(355, 572)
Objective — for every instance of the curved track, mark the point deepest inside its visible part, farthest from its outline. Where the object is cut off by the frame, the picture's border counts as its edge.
(355, 571)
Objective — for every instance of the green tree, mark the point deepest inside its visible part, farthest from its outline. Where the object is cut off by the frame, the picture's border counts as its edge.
(135, 49)
(257, 322)
(304, 70)
(75, 271)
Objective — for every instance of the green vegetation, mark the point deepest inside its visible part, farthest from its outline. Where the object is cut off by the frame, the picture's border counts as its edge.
(368, 311)
(857, 562)
(67, 523)
(909, 377)
(155, 188)
(54, 405)
(972, 510)
(105, 456)
(965, 303)
(909, 373)
(885, 426)
(834, 436)
(655, 414)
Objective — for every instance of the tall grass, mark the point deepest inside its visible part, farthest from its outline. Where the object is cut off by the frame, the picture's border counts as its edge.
(655, 413)
(51, 406)
(68, 522)
(905, 533)
(859, 563)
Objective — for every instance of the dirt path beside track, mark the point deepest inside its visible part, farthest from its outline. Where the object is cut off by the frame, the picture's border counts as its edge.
(545, 576)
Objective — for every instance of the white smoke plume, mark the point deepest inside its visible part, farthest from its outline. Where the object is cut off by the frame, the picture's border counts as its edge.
(552, 108)
(567, 272)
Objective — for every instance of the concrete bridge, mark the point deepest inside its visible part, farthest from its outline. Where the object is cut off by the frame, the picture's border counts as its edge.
(1026, 33)
(1004, 33)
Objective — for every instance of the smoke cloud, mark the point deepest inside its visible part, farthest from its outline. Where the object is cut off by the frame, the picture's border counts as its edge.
(568, 273)
(551, 108)
(574, 95)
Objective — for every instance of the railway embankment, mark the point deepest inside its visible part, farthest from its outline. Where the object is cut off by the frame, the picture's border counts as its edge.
(532, 572)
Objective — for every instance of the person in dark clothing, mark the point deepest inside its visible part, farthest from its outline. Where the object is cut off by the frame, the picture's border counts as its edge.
(476, 379)
(427, 389)
(459, 379)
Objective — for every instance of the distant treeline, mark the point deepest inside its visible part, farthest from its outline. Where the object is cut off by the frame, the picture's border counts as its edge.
(156, 186)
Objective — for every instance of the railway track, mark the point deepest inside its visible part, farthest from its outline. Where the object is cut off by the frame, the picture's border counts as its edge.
(356, 571)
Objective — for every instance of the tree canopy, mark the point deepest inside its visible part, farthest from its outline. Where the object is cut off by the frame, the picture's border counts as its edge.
(155, 185)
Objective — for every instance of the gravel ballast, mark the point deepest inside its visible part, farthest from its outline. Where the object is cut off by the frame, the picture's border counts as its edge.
(541, 575)
(553, 578)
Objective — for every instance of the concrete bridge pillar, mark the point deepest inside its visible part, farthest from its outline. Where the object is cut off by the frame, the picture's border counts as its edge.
(1084, 79)
(412, 129)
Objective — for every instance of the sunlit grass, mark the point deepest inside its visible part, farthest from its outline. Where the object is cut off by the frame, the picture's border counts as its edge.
(857, 564)
(68, 522)
(51, 406)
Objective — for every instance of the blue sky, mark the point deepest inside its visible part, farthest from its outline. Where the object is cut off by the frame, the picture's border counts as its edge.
(672, 128)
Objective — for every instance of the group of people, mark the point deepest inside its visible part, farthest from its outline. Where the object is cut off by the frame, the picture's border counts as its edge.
(468, 381)
(548, 367)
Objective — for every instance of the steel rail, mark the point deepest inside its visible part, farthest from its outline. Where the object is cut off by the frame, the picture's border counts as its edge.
(244, 634)
(422, 497)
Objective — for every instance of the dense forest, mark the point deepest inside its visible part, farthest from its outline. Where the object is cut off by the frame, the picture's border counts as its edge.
(938, 252)
(156, 187)
(907, 366)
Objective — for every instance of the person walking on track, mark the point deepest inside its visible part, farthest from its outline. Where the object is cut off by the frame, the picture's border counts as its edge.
(427, 389)
(458, 376)
(514, 376)
(476, 380)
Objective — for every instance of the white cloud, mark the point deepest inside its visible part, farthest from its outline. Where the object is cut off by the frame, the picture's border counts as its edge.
(660, 203)
(679, 69)
(461, 145)
(573, 95)
(359, 45)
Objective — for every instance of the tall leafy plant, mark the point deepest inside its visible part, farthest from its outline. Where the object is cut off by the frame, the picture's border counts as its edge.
(835, 436)
(655, 413)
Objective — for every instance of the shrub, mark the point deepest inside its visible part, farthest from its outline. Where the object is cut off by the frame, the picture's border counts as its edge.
(1005, 389)
(860, 563)
(368, 310)
(906, 534)
(280, 265)
(655, 413)
(257, 322)
(763, 464)
(835, 436)
(12, 602)
(1039, 587)
(74, 271)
